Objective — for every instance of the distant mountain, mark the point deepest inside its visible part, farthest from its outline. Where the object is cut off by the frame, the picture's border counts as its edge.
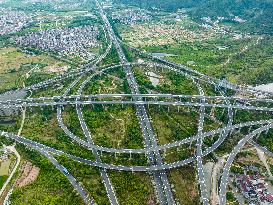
(258, 13)
(168, 5)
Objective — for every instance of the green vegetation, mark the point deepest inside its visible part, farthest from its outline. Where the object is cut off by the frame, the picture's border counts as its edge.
(266, 140)
(89, 177)
(3, 180)
(241, 60)
(172, 126)
(101, 83)
(42, 126)
(234, 63)
(4, 168)
(169, 82)
(231, 198)
(113, 126)
(185, 185)
(51, 186)
(236, 170)
(14, 65)
(133, 188)
(257, 13)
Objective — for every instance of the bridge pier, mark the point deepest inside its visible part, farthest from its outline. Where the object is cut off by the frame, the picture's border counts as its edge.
(223, 112)
(258, 135)
(266, 132)
(238, 131)
(231, 132)
(165, 153)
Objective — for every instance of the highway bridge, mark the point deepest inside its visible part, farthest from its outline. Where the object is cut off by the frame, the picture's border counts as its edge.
(100, 101)
(157, 168)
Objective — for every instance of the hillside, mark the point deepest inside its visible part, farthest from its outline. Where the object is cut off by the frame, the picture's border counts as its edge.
(257, 13)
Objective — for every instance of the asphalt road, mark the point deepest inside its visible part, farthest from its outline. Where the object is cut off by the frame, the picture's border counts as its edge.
(231, 158)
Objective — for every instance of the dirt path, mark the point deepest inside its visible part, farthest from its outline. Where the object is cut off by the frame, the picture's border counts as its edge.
(122, 123)
(264, 161)
(243, 50)
(214, 179)
(11, 149)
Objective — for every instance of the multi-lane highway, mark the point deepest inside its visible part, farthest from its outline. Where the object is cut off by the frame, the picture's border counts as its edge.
(70, 177)
(157, 168)
(199, 152)
(163, 188)
(161, 179)
(138, 102)
(106, 180)
(215, 99)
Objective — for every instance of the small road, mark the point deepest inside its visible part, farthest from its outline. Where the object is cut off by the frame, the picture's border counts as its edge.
(236, 150)
(18, 159)
(264, 161)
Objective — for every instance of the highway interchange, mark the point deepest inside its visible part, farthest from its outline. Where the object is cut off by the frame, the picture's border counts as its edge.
(157, 167)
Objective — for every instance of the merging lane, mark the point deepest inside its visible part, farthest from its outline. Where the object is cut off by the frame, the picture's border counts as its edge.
(161, 179)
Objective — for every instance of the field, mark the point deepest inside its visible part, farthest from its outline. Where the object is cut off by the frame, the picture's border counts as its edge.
(3, 180)
(14, 65)
(163, 34)
(185, 185)
(220, 51)
(51, 187)
(4, 168)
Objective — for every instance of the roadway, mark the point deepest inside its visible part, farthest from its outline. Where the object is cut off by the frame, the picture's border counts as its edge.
(161, 180)
(199, 145)
(41, 147)
(106, 180)
(157, 167)
(137, 102)
(180, 97)
(84, 195)
(231, 158)
(200, 76)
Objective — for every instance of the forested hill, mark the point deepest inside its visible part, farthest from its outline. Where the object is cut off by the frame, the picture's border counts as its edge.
(258, 13)
(168, 5)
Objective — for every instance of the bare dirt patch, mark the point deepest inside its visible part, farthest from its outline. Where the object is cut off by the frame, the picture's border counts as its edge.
(29, 174)
(57, 69)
